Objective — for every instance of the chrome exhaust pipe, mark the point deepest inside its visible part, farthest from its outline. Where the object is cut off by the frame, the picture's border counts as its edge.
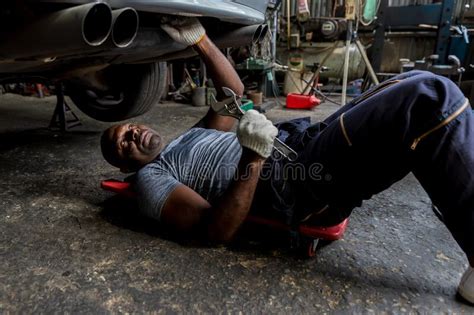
(240, 36)
(148, 39)
(96, 23)
(124, 27)
(263, 33)
(80, 28)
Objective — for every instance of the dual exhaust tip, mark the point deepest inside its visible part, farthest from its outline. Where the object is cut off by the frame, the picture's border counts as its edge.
(83, 28)
(121, 26)
(260, 33)
(101, 25)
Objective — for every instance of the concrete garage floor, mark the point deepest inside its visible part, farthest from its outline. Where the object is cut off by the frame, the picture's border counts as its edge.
(63, 250)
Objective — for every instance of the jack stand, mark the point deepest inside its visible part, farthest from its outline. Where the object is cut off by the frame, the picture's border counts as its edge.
(59, 119)
(352, 37)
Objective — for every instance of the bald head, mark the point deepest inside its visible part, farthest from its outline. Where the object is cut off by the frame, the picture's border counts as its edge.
(130, 146)
(109, 148)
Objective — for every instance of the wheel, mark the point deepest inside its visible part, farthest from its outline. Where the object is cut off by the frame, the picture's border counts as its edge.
(311, 247)
(130, 91)
(307, 247)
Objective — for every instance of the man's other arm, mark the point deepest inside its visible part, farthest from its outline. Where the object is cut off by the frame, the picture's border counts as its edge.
(186, 211)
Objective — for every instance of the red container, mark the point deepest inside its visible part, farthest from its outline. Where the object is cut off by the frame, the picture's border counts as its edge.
(299, 101)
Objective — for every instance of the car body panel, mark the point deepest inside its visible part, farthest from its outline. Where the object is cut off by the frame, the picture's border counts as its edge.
(149, 45)
(246, 12)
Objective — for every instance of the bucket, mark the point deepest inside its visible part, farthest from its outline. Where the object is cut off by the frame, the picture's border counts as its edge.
(256, 97)
(199, 96)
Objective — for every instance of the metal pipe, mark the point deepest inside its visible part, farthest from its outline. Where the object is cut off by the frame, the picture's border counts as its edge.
(346, 62)
(240, 36)
(225, 38)
(322, 8)
(370, 70)
(263, 33)
(274, 35)
(74, 29)
(124, 26)
(318, 71)
(288, 24)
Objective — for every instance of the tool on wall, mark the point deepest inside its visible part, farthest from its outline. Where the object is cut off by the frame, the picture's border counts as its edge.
(303, 10)
(452, 69)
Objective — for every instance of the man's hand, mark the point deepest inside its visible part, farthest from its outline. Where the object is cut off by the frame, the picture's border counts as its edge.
(257, 133)
(186, 31)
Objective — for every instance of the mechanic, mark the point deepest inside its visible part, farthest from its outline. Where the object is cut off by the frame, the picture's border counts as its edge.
(206, 181)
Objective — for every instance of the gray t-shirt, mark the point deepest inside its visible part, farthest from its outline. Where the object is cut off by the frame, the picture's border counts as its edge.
(205, 160)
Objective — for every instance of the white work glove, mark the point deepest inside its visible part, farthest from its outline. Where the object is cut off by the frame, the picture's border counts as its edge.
(466, 287)
(256, 133)
(186, 31)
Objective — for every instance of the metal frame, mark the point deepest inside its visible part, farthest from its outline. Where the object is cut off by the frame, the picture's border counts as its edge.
(410, 17)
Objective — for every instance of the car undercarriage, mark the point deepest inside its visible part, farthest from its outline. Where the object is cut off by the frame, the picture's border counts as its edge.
(111, 56)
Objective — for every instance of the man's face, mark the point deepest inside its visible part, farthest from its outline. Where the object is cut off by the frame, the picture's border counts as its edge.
(135, 145)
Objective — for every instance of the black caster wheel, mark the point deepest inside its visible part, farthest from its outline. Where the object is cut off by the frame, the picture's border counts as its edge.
(308, 247)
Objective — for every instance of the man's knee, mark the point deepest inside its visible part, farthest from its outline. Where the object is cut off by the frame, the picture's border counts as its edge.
(413, 73)
(430, 92)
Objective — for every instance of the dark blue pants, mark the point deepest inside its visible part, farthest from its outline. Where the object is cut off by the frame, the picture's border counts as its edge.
(416, 122)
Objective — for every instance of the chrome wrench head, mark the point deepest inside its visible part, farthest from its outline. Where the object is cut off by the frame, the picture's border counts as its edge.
(230, 106)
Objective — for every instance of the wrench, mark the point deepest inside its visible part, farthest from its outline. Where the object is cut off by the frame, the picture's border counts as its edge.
(230, 106)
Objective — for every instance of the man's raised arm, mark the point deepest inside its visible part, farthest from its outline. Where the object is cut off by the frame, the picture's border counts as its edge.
(189, 31)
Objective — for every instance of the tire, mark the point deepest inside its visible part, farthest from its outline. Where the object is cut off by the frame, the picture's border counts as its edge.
(133, 90)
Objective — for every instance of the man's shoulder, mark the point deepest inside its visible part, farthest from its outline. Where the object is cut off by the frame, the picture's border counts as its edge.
(153, 176)
(149, 170)
(197, 134)
(192, 132)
